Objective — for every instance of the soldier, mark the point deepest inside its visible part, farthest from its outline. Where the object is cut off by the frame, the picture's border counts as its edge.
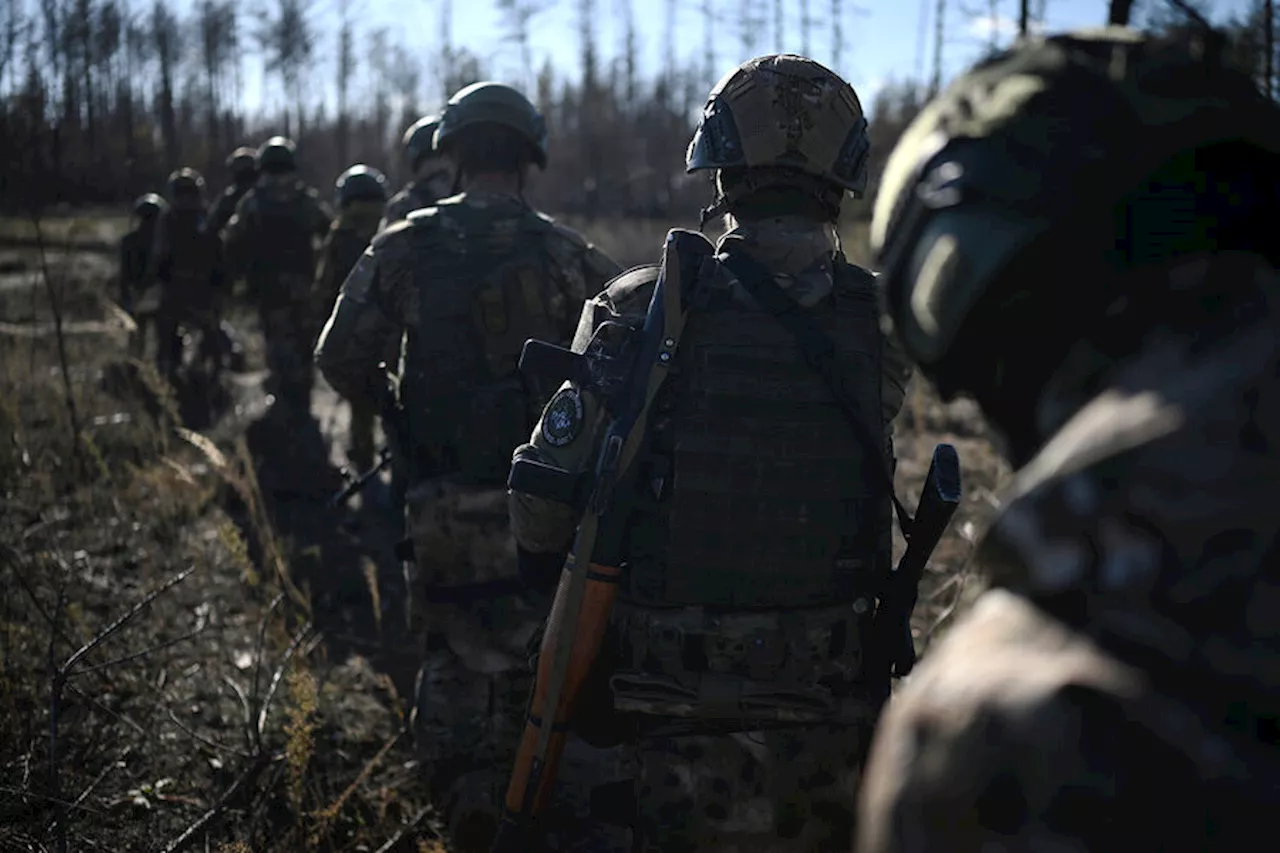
(271, 241)
(243, 166)
(189, 267)
(757, 528)
(136, 250)
(466, 283)
(432, 172)
(1079, 233)
(361, 193)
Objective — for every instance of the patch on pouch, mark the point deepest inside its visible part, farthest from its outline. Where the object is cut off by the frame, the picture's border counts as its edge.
(562, 421)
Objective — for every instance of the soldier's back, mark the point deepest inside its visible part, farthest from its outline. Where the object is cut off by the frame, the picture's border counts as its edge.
(1119, 691)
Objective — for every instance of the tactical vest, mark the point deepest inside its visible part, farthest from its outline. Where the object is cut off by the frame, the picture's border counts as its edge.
(191, 257)
(280, 231)
(757, 522)
(484, 288)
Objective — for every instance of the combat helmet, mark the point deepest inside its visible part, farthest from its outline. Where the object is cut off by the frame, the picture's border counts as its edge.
(497, 104)
(149, 207)
(242, 163)
(185, 188)
(277, 154)
(419, 140)
(791, 122)
(1038, 161)
(360, 183)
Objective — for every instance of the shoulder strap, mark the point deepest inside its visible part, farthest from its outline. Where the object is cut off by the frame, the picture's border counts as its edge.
(818, 351)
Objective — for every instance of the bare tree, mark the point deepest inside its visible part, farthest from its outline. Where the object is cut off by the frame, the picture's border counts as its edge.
(346, 70)
(518, 16)
(165, 37)
(709, 41)
(215, 27)
(993, 21)
(1269, 47)
(837, 33)
(806, 23)
(12, 22)
(1118, 12)
(939, 31)
(630, 47)
(1024, 11)
(288, 43)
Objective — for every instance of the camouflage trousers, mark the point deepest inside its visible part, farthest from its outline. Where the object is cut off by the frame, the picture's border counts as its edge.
(1019, 734)
(290, 340)
(779, 791)
(475, 678)
(170, 319)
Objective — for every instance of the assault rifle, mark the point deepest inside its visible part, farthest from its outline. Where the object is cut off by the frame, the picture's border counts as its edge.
(624, 367)
(359, 482)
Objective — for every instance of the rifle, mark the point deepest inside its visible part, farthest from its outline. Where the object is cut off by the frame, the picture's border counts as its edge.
(358, 483)
(891, 627)
(626, 373)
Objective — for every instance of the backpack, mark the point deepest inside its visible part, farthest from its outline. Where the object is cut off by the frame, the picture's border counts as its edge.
(485, 285)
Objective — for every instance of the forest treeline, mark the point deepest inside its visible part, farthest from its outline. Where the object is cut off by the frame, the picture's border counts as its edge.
(100, 99)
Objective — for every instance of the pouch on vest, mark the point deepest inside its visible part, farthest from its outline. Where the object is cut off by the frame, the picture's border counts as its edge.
(486, 290)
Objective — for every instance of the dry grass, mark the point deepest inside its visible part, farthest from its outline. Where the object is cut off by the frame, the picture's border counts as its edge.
(211, 719)
(218, 716)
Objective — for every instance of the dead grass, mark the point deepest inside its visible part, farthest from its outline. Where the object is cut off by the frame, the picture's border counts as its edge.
(216, 718)
(213, 718)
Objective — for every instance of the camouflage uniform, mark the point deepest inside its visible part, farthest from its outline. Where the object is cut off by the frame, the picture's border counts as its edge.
(433, 173)
(417, 281)
(243, 166)
(729, 772)
(271, 242)
(1113, 691)
(137, 248)
(189, 267)
(354, 227)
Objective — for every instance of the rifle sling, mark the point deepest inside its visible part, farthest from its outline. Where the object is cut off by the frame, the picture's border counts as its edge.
(819, 352)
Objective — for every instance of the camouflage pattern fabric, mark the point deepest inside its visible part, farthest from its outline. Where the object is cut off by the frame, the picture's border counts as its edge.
(782, 791)
(415, 196)
(188, 262)
(225, 207)
(1120, 691)
(786, 789)
(350, 235)
(473, 686)
(269, 241)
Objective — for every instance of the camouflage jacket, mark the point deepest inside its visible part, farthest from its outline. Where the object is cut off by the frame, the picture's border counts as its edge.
(350, 234)
(257, 252)
(1146, 520)
(225, 207)
(188, 260)
(415, 196)
(379, 300)
(801, 253)
(1118, 689)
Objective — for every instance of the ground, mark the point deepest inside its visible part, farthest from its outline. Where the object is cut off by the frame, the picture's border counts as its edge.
(196, 651)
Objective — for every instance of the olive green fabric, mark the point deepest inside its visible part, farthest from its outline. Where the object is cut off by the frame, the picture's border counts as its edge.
(1051, 131)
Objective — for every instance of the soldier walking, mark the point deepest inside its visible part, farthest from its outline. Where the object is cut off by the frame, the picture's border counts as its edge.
(750, 534)
(1080, 234)
(189, 268)
(361, 194)
(432, 172)
(137, 248)
(271, 241)
(464, 283)
(243, 166)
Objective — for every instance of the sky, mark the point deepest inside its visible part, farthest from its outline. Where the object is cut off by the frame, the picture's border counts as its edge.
(883, 40)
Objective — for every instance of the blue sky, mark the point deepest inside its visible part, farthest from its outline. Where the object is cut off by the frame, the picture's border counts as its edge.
(882, 38)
